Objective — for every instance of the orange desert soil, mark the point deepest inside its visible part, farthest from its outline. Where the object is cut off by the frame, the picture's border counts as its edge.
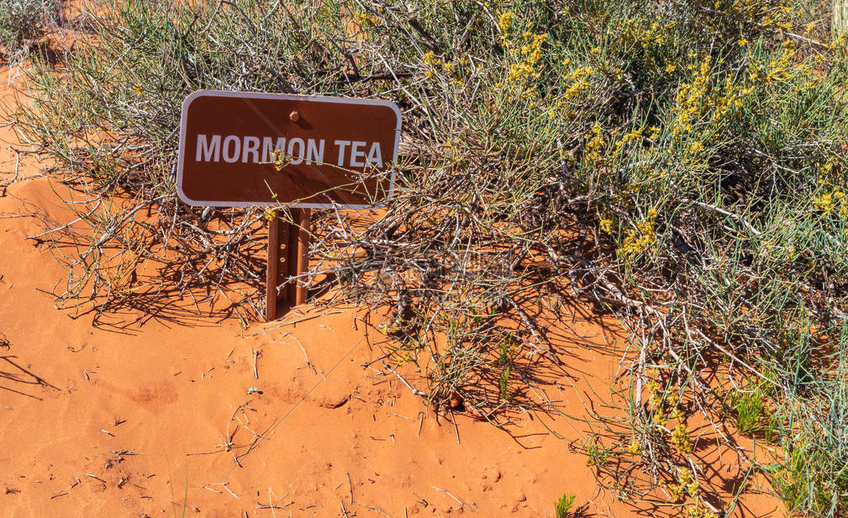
(159, 421)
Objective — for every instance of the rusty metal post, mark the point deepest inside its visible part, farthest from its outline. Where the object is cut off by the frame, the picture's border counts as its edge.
(303, 227)
(298, 254)
(273, 269)
(288, 257)
(278, 265)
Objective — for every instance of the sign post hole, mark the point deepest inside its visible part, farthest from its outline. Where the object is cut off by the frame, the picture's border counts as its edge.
(294, 152)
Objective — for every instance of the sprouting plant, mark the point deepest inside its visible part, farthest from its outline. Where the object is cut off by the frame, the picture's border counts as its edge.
(564, 504)
(503, 382)
(749, 411)
(505, 359)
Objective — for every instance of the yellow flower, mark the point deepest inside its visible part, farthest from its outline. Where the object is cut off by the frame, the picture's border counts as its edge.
(505, 21)
(655, 401)
(638, 240)
(681, 439)
(532, 54)
(279, 159)
(365, 20)
(676, 491)
(655, 133)
(635, 448)
(685, 476)
(692, 489)
(699, 512)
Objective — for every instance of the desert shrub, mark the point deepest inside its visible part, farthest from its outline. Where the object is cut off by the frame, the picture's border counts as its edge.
(679, 163)
(21, 21)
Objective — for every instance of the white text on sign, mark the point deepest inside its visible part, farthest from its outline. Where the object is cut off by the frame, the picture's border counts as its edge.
(259, 150)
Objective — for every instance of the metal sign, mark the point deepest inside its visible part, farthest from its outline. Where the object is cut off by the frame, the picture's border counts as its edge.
(245, 149)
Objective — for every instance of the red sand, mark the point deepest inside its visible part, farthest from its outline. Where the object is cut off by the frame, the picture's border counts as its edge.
(159, 421)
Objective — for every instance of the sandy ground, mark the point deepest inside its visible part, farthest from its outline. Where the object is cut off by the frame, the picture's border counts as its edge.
(281, 419)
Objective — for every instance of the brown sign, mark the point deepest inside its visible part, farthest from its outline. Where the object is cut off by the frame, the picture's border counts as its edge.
(240, 149)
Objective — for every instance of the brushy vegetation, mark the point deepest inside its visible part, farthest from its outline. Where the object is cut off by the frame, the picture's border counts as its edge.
(681, 163)
(21, 23)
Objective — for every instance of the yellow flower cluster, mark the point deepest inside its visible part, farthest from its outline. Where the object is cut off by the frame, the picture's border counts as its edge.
(690, 100)
(763, 12)
(634, 136)
(505, 21)
(656, 35)
(451, 149)
(365, 20)
(594, 146)
(638, 240)
(531, 54)
(687, 479)
(675, 491)
(699, 512)
(700, 98)
(433, 63)
(681, 439)
(780, 68)
(655, 133)
(280, 160)
(651, 38)
(577, 84)
(839, 42)
(687, 485)
(579, 79)
(656, 403)
(832, 203)
(635, 448)
(455, 72)
(606, 225)
(696, 147)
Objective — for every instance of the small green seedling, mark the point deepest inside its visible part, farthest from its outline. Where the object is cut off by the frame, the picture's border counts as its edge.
(564, 505)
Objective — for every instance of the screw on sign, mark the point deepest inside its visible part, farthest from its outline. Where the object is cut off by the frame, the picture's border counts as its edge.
(240, 149)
